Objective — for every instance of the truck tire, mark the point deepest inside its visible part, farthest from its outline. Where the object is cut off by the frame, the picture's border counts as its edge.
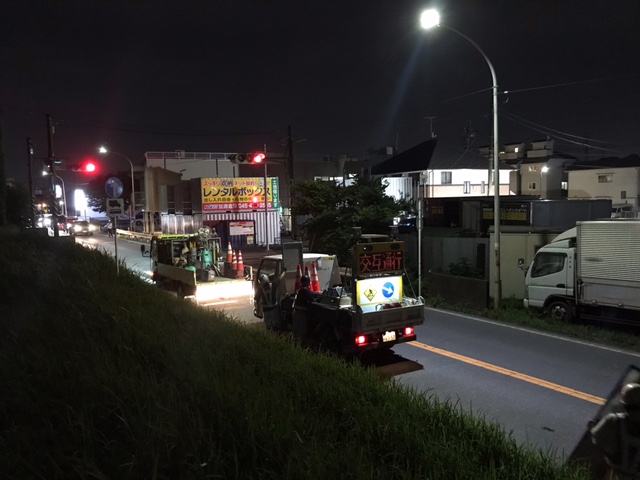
(560, 311)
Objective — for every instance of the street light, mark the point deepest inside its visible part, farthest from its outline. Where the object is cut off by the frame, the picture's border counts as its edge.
(429, 19)
(103, 150)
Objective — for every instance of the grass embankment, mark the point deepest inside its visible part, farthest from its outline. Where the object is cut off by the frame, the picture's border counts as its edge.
(513, 312)
(107, 377)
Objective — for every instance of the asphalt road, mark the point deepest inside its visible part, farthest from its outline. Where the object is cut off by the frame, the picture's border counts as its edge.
(541, 388)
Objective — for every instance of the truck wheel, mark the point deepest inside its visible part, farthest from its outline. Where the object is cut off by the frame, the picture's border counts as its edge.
(560, 311)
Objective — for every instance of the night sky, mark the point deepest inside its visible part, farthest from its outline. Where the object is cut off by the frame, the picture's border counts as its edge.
(230, 75)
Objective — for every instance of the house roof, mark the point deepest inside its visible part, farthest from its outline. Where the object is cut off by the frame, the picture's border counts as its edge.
(608, 162)
(416, 159)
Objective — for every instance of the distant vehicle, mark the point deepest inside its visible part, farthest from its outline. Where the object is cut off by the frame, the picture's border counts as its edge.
(588, 272)
(623, 210)
(82, 227)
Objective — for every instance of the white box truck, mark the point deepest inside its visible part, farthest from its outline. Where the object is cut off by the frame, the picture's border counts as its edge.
(591, 272)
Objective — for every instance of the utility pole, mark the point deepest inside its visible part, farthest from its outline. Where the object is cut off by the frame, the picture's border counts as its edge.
(52, 186)
(266, 202)
(31, 195)
(291, 177)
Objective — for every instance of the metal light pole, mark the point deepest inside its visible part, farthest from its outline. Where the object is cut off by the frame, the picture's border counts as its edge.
(103, 150)
(430, 19)
(64, 195)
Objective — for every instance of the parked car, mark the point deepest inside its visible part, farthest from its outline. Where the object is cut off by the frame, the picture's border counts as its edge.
(623, 210)
(82, 227)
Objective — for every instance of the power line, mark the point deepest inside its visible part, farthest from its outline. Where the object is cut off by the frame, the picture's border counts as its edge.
(546, 132)
(506, 113)
(556, 85)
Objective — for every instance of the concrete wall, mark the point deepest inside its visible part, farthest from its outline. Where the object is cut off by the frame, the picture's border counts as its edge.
(512, 247)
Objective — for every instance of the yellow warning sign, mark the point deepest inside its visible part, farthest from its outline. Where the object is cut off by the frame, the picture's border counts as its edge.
(370, 293)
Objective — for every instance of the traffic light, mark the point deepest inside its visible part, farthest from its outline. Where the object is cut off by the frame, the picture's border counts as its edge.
(256, 158)
(239, 158)
(48, 167)
(88, 166)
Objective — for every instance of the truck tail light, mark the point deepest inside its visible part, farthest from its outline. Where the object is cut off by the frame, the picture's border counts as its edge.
(408, 331)
(361, 340)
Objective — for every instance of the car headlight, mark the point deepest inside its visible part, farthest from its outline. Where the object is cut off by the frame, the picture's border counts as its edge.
(77, 228)
(92, 227)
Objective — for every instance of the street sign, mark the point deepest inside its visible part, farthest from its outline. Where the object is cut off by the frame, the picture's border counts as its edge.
(115, 207)
(114, 187)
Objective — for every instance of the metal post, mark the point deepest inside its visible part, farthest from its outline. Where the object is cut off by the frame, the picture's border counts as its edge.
(266, 209)
(31, 196)
(419, 228)
(64, 195)
(52, 171)
(115, 242)
(496, 172)
(132, 206)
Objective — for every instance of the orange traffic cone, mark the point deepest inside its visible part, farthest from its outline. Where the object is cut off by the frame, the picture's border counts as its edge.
(315, 282)
(234, 265)
(306, 272)
(229, 254)
(298, 277)
(240, 266)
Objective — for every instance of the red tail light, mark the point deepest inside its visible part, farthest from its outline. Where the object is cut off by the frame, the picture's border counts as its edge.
(361, 340)
(408, 331)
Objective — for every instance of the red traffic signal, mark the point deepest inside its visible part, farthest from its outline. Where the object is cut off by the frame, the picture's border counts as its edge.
(258, 157)
(88, 166)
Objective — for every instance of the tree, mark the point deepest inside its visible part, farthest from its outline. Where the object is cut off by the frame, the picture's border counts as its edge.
(334, 210)
(97, 195)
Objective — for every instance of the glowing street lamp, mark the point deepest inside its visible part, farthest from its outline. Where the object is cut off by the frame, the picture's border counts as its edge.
(429, 19)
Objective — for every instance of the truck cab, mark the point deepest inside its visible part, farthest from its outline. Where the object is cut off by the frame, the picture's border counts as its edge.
(550, 281)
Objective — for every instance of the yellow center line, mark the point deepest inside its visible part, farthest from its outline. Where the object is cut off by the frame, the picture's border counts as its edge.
(511, 373)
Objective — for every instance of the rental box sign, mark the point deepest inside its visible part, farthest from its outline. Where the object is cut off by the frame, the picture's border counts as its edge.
(238, 194)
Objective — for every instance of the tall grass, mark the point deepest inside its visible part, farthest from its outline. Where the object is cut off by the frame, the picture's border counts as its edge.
(103, 376)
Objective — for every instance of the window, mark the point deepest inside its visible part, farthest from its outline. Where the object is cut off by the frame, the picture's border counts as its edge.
(532, 186)
(445, 178)
(467, 187)
(623, 194)
(608, 178)
(547, 263)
